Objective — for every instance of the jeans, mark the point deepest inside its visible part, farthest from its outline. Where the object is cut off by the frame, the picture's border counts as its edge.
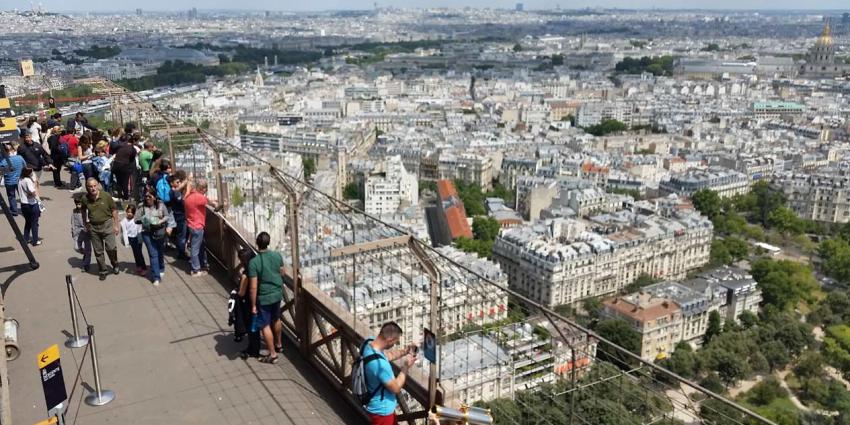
(136, 245)
(180, 231)
(155, 248)
(199, 253)
(31, 214)
(12, 196)
(83, 244)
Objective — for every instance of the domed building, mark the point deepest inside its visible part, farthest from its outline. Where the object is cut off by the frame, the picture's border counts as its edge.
(820, 61)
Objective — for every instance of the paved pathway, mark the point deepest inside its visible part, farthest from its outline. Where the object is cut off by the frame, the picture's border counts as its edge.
(167, 352)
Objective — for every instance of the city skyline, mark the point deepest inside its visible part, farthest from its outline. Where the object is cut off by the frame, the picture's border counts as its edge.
(329, 5)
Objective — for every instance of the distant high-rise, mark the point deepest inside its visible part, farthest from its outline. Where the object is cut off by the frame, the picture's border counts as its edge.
(268, 14)
(138, 12)
(193, 13)
(845, 18)
(520, 7)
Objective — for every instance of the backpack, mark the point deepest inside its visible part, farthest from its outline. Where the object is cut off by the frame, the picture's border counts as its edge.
(358, 376)
(64, 150)
(163, 189)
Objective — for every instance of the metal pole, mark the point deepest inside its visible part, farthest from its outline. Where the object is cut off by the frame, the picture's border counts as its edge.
(100, 396)
(5, 407)
(75, 341)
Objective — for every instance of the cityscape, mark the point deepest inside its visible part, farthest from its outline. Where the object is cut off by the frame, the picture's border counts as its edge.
(601, 215)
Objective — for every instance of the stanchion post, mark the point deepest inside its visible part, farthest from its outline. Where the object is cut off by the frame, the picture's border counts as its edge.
(100, 396)
(75, 341)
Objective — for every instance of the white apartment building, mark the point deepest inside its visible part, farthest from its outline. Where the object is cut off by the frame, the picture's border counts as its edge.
(390, 187)
(821, 196)
(724, 181)
(476, 368)
(562, 261)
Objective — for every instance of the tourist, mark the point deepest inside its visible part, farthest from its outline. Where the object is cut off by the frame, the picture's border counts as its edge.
(30, 205)
(265, 272)
(244, 316)
(177, 211)
(380, 379)
(153, 218)
(79, 234)
(102, 167)
(34, 130)
(34, 155)
(146, 158)
(123, 167)
(195, 204)
(101, 217)
(131, 234)
(12, 167)
(85, 153)
(69, 146)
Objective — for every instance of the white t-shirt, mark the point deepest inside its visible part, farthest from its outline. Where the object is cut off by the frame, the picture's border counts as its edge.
(35, 131)
(26, 191)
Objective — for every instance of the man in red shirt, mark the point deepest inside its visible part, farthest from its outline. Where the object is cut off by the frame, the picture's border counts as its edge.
(73, 143)
(195, 204)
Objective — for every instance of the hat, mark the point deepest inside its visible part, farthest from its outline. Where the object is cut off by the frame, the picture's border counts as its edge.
(23, 131)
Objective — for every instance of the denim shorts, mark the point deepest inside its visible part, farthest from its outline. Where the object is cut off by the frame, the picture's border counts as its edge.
(266, 314)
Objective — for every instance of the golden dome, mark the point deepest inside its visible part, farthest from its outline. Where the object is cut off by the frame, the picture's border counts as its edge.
(825, 38)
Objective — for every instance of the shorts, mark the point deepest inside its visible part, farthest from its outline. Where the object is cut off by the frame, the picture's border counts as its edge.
(382, 419)
(266, 314)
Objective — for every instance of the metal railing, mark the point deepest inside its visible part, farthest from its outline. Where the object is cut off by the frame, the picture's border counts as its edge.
(348, 272)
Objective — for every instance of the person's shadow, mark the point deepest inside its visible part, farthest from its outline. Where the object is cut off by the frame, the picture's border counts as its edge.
(226, 346)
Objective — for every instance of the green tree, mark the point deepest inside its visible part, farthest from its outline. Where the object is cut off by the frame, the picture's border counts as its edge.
(785, 220)
(716, 412)
(707, 202)
(606, 126)
(485, 228)
(205, 124)
(712, 383)
(730, 367)
(640, 282)
(714, 327)
(836, 259)
(236, 198)
(481, 248)
(352, 191)
(517, 47)
(309, 165)
(766, 391)
(783, 283)
(620, 333)
(719, 254)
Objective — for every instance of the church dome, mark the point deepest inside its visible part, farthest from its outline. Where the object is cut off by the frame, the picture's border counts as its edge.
(825, 38)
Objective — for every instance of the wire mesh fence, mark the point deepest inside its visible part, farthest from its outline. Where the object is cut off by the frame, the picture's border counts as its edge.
(495, 348)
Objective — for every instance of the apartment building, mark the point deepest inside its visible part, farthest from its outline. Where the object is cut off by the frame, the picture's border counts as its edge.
(390, 187)
(657, 320)
(723, 181)
(823, 195)
(562, 261)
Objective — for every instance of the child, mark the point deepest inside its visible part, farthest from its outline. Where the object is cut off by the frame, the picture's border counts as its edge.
(103, 165)
(79, 234)
(131, 231)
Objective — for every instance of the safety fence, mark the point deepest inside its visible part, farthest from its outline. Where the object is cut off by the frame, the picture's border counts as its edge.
(348, 272)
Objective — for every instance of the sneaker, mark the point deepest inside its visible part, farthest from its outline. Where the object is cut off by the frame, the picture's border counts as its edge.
(37, 243)
(156, 283)
(102, 276)
(114, 270)
(86, 268)
(198, 273)
(162, 272)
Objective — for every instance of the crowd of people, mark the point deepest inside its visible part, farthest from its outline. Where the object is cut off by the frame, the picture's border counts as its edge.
(161, 208)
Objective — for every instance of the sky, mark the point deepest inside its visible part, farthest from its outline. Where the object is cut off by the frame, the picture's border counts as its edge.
(290, 5)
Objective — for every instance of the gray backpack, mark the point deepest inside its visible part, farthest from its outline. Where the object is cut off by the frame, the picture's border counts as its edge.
(359, 386)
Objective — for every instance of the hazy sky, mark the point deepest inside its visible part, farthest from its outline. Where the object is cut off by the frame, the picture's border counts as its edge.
(364, 4)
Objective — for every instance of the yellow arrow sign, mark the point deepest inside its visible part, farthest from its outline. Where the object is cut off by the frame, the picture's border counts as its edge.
(50, 421)
(50, 355)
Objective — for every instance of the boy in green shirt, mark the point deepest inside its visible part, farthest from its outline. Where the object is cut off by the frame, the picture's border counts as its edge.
(265, 272)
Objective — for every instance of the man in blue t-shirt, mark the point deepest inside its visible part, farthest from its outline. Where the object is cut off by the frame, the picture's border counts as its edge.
(380, 377)
(11, 166)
